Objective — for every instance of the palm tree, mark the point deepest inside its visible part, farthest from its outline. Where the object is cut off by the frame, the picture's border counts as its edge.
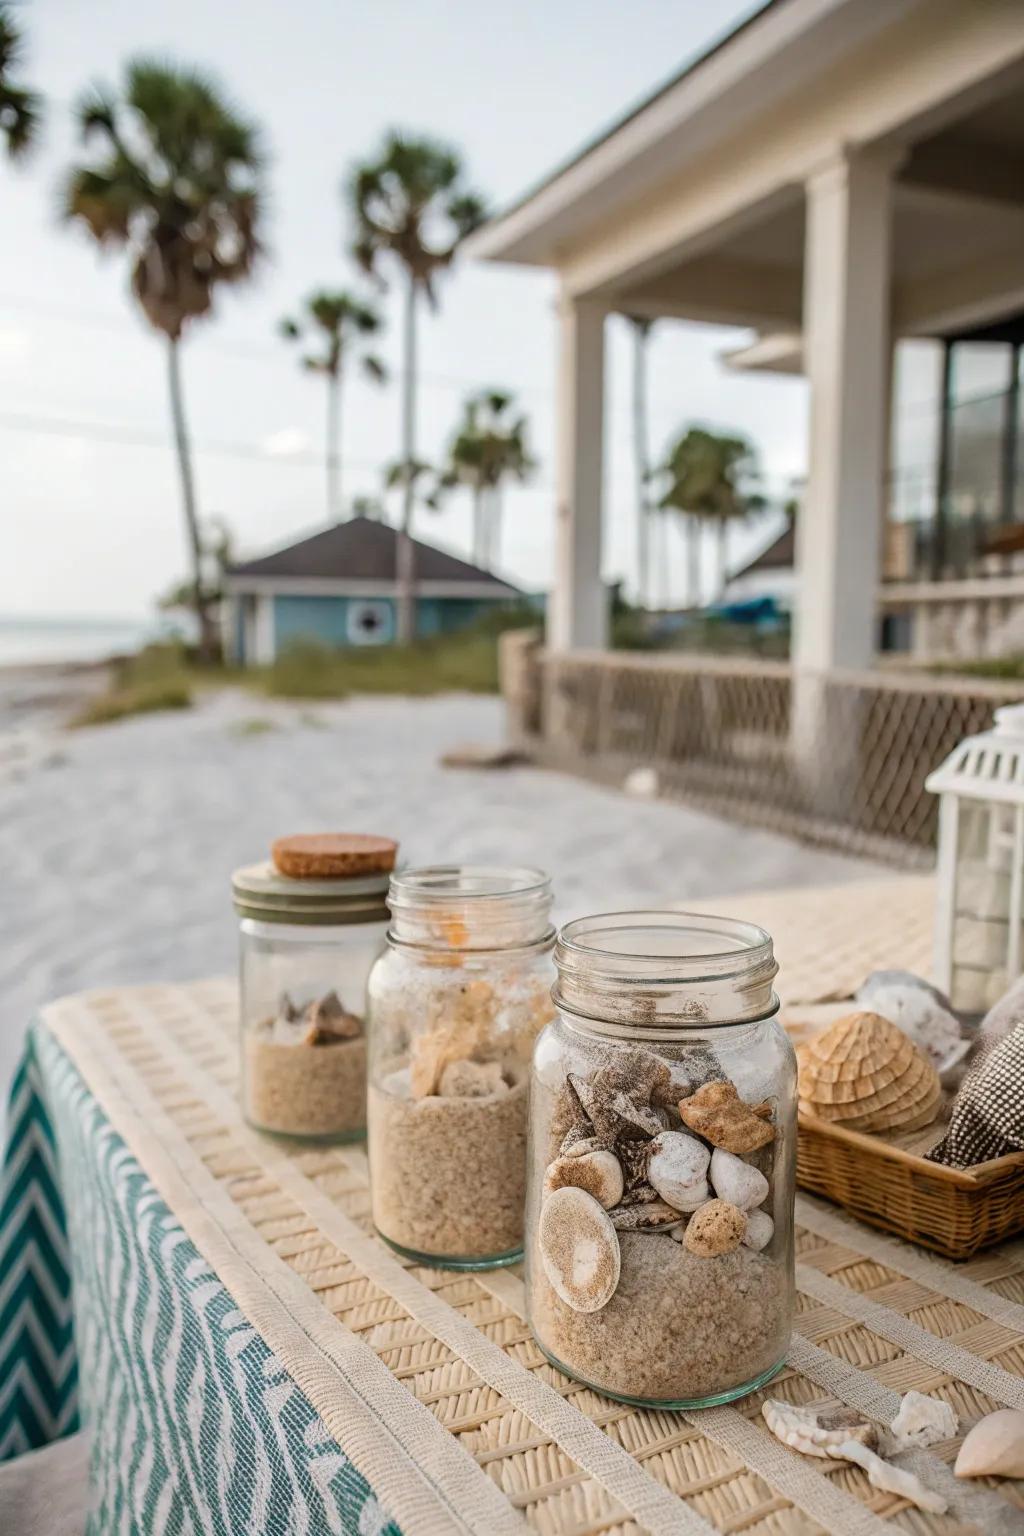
(410, 205)
(177, 187)
(19, 107)
(344, 320)
(641, 327)
(709, 478)
(368, 506)
(488, 448)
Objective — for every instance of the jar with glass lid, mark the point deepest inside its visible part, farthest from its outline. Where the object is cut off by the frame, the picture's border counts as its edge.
(455, 1005)
(308, 939)
(659, 1224)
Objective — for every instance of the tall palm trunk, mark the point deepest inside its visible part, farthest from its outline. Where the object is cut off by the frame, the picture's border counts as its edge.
(334, 447)
(405, 573)
(478, 525)
(640, 463)
(207, 634)
(694, 529)
(494, 528)
(723, 556)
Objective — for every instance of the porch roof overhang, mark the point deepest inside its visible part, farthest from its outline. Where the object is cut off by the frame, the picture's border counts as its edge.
(693, 206)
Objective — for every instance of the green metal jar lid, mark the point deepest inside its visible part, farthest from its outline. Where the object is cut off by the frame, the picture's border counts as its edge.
(260, 892)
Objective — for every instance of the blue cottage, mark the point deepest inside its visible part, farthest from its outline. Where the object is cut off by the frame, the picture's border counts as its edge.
(338, 587)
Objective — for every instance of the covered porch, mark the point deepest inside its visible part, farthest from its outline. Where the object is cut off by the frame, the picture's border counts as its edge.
(836, 175)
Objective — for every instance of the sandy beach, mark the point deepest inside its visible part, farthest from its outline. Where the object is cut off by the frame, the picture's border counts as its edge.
(117, 843)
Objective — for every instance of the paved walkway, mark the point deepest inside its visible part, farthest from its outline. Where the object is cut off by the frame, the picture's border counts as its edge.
(116, 851)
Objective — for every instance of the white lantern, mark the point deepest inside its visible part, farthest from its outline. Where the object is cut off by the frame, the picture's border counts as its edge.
(978, 940)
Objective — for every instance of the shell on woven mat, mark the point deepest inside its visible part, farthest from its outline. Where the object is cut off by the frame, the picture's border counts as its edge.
(866, 1074)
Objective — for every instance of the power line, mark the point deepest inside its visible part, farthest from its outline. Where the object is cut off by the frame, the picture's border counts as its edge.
(249, 350)
(132, 437)
(122, 435)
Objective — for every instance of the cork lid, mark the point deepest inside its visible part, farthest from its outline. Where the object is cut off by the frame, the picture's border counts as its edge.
(319, 878)
(333, 855)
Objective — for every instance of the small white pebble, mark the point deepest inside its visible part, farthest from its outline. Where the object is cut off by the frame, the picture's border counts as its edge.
(760, 1230)
(736, 1181)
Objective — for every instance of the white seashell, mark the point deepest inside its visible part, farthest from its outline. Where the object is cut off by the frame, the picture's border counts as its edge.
(598, 1173)
(994, 1447)
(844, 1435)
(919, 1014)
(678, 1167)
(579, 1249)
(760, 1230)
(736, 1181)
(923, 1421)
(642, 782)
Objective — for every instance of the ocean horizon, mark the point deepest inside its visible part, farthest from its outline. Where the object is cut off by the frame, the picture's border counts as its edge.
(29, 641)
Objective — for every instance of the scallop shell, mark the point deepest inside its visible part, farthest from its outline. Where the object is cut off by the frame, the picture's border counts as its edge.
(866, 1074)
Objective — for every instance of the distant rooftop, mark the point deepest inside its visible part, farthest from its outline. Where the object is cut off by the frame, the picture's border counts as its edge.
(364, 550)
(779, 555)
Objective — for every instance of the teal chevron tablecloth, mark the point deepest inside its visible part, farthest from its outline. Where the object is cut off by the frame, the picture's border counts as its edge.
(248, 1359)
(195, 1425)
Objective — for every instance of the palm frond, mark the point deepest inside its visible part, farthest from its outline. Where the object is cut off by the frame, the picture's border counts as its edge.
(177, 178)
(407, 204)
(20, 118)
(20, 108)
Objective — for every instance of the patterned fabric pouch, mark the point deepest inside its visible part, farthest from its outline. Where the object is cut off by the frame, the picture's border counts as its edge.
(987, 1118)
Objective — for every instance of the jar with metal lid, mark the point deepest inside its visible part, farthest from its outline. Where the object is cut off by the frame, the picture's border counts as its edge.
(659, 1224)
(306, 949)
(455, 1005)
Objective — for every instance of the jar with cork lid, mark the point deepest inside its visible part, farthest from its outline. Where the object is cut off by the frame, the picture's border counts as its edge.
(312, 921)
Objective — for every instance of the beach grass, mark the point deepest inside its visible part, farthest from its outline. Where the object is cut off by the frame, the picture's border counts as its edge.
(164, 677)
(121, 703)
(466, 663)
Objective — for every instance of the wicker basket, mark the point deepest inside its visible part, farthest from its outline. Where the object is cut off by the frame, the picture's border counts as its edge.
(953, 1211)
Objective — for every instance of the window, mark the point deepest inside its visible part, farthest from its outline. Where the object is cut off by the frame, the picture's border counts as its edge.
(368, 622)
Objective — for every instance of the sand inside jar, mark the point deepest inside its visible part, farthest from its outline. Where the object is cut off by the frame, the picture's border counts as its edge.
(299, 1089)
(448, 1174)
(677, 1328)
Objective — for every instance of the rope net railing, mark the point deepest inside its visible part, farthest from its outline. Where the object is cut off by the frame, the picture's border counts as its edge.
(838, 759)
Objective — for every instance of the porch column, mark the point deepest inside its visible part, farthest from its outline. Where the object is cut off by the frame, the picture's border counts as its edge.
(577, 617)
(847, 351)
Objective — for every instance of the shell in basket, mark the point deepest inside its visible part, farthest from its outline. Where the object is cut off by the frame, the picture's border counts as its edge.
(866, 1074)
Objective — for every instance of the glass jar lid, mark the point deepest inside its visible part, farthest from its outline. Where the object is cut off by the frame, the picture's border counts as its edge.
(470, 907)
(262, 893)
(653, 971)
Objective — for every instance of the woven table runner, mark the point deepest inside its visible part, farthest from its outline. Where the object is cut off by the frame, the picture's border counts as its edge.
(430, 1382)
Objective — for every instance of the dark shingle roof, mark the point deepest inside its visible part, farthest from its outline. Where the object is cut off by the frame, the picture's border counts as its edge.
(364, 550)
(780, 555)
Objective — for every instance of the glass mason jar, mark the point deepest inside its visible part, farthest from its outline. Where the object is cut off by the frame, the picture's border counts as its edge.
(455, 1005)
(306, 948)
(659, 1222)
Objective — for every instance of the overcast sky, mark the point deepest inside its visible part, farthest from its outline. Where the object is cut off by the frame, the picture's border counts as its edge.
(89, 497)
